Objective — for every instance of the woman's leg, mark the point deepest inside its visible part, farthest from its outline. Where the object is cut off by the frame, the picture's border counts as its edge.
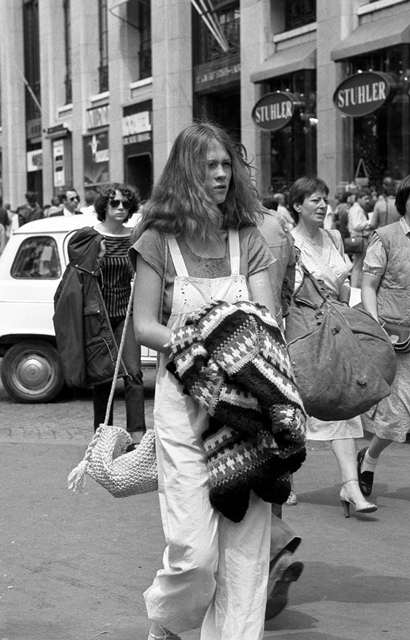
(345, 453)
(101, 394)
(376, 446)
(367, 460)
(184, 587)
(237, 611)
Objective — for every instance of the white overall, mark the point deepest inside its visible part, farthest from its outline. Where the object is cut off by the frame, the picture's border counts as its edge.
(215, 571)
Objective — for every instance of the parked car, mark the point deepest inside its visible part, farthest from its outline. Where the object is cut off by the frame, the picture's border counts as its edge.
(31, 266)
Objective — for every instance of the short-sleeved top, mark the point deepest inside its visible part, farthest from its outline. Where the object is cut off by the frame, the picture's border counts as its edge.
(375, 261)
(325, 261)
(254, 257)
(116, 275)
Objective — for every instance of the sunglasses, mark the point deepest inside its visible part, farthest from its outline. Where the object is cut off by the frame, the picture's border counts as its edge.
(116, 203)
(74, 198)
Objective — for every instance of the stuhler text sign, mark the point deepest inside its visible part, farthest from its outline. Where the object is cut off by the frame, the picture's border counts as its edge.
(274, 110)
(363, 93)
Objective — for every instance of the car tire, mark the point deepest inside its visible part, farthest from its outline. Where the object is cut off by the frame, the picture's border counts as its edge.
(31, 372)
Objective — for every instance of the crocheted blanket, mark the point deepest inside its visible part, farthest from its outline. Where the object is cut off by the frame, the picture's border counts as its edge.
(233, 360)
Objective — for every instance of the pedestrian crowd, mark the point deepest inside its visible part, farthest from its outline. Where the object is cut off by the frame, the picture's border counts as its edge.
(214, 274)
(66, 204)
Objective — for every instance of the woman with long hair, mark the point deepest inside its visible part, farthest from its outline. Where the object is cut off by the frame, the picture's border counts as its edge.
(321, 253)
(198, 244)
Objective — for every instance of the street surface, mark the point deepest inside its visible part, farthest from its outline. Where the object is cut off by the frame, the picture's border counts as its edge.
(73, 567)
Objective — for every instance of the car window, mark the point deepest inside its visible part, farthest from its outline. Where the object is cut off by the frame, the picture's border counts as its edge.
(37, 258)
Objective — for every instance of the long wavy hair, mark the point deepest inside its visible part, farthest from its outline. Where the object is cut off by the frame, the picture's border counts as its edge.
(180, 204)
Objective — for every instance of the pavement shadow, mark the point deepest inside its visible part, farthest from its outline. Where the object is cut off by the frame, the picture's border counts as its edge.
(291, 619)
(348, 583)
(302, 634)
(401, 493)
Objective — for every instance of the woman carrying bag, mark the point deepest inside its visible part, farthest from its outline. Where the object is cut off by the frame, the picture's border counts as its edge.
(198, 244)
(321, 253)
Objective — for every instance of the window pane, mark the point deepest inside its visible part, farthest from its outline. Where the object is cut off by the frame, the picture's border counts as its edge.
(298, 13)
(37, 258)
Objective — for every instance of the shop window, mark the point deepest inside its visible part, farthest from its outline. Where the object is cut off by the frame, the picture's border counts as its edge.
(137, 17)
(293, 148)
(67, 51)
(221, 107)
(37, 258)
(103, 46)
(206, 47)
(298, 13)
(382, 138)
(145, 53)
(31, 58)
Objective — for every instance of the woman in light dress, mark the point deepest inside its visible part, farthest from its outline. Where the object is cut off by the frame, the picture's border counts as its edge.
(321, 252)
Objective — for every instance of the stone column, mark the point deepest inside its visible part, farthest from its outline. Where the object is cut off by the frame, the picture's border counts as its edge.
(334, 22)
(256, 38)
(84, 34)
(52, 75)
(13, 103)
(172, 74)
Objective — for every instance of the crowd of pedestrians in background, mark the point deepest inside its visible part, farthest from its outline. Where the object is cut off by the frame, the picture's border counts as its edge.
(66, 204)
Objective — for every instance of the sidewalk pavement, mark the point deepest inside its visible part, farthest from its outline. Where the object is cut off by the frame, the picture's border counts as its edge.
(74, 567)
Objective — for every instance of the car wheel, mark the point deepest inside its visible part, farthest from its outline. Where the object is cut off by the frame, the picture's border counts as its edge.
(31, 372)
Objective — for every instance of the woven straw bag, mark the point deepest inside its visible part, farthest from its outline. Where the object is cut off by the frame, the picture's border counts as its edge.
(121, 473)
(106, 459)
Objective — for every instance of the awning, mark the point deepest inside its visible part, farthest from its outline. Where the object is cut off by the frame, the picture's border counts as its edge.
(378, 34)
(302, 56)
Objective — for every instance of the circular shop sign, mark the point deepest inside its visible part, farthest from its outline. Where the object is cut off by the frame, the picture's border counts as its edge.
(274, 110)
(363, 93)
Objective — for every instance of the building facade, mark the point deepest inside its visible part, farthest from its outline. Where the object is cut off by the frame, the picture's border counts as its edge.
(96, 91)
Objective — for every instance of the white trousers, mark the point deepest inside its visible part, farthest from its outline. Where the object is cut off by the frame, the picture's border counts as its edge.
(215, 571)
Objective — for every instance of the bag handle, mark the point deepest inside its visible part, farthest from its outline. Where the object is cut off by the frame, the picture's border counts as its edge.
(119, 354)
(306, 273)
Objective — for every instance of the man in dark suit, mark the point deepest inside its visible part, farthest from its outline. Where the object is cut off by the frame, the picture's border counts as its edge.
(70, 202)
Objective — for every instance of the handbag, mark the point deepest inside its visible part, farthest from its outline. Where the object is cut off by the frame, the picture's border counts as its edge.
(399, 336)
(354, 245)
(342, 359)
(107, 461)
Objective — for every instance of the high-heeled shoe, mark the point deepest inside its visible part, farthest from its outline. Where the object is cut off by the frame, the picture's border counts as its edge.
(359, 506)
(365, 477)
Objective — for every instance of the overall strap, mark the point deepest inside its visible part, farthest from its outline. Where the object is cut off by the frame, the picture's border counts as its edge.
(234, 251)
(177, 258)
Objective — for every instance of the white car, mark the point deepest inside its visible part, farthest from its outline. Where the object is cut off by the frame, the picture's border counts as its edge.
(31, 267)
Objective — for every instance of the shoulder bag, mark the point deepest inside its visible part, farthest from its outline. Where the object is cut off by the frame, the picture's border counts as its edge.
(107, 458)
(342, 359)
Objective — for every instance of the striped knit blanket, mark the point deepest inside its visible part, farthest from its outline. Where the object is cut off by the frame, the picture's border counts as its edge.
(232, 359)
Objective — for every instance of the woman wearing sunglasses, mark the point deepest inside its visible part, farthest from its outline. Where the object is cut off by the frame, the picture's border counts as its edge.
(114, 206)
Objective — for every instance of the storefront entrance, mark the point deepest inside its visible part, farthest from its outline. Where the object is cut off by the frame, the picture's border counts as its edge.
(139, 174)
